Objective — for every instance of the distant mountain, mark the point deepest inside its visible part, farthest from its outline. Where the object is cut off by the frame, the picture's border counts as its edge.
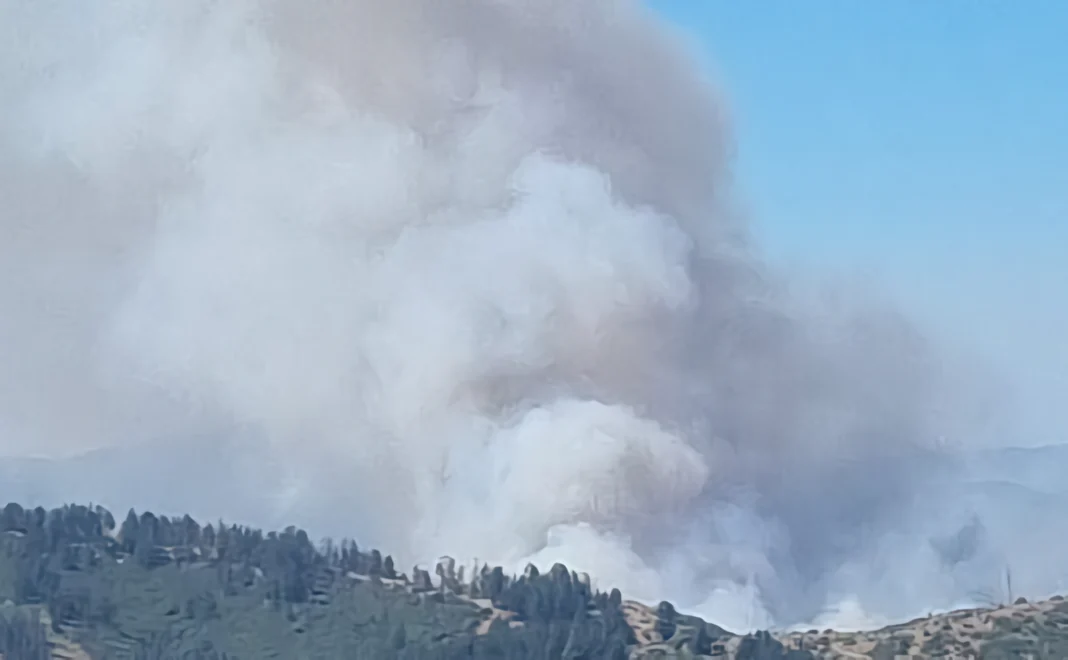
(232, 468)
(191, 475)
(1042, 469)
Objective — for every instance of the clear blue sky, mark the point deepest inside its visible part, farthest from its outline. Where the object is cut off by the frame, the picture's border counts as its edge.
(924, 142)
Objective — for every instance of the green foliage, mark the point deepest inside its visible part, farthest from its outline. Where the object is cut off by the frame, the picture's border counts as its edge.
(154, 588)
(22, 635)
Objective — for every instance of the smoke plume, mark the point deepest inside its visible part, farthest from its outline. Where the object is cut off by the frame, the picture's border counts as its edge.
(465, 277)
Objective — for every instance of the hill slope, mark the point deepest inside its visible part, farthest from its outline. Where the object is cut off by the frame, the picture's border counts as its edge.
(74, 584)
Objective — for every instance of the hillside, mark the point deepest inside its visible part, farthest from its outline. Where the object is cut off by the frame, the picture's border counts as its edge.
(76, 584)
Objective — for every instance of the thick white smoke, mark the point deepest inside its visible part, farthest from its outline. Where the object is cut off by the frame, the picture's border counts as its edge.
(469, 277)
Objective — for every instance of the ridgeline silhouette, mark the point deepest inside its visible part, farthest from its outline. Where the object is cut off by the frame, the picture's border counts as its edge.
(75, 583)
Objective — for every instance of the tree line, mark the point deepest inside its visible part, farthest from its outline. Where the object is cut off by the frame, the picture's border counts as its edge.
(551, 615)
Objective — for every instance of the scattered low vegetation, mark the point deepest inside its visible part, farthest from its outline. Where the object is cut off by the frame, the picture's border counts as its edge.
(76, 584)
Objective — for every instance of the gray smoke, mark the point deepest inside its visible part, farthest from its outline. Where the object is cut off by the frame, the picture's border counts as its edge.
(465, 278)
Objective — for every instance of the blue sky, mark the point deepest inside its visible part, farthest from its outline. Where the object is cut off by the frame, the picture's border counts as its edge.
(924, 144)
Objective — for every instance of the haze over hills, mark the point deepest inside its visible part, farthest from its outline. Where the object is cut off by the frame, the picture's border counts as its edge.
(465, 278)
(989, 514)
(77, 583)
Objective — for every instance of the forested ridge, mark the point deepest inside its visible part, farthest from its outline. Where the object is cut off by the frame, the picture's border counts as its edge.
(77, 583)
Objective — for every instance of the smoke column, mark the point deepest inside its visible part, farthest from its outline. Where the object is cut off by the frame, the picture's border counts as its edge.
(469, 279)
